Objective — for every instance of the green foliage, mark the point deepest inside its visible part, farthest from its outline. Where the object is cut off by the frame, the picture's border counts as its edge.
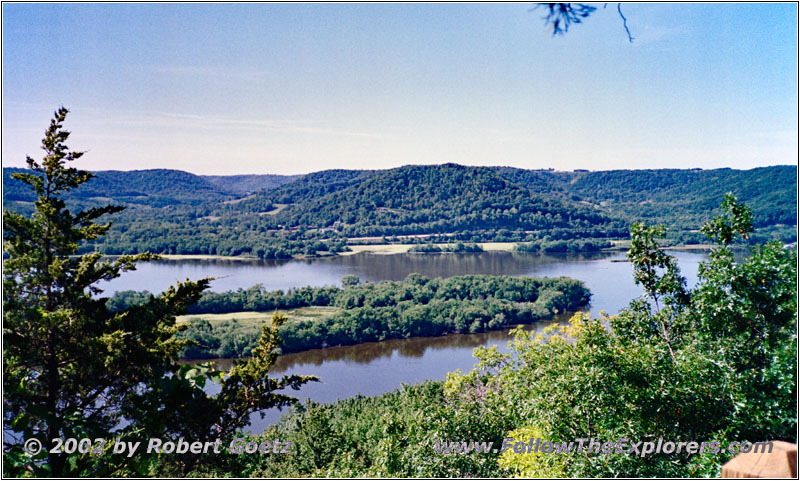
(439, 199)
(416, 306)
(277, 217)
(725, 372)
(717, 367)
(435, 249)
(73, 368)
(573, 245)
(313, 215)
(350, 280)
(391, 435)
(679, 198)
(657, 272)
(248, 184)
(152, 188)
(737, 220)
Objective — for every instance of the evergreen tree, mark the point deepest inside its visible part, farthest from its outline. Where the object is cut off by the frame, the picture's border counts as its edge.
(74, 369)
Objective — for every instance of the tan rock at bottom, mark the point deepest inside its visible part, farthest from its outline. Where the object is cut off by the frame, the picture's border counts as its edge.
(780, 463)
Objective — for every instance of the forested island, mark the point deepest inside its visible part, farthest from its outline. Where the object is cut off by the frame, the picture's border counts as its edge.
(416, 306)
(323, 213)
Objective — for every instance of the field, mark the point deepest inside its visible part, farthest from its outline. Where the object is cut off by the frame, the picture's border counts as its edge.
(402, 248)
(299, 314)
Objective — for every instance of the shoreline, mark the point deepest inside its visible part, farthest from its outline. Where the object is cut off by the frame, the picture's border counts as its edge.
(561, 319)
(390, 249)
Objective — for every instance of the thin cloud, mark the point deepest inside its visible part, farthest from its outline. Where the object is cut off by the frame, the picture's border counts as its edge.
(208, 122)
(211, 72)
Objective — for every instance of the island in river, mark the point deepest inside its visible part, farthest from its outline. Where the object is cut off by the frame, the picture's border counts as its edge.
(228, 324)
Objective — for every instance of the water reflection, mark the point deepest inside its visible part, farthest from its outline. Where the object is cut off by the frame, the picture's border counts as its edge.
(368, 352)
(233, 274)
(374, 368)
(397, 267)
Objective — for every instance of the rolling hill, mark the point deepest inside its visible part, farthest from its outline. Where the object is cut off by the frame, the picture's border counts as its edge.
(279, 216)
(155, 188)
(440, 199)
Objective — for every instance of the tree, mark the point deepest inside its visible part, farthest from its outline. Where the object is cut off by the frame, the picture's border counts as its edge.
(350, 280)
(717, 362)
(561, 15)
(657, 272)
(74, 369)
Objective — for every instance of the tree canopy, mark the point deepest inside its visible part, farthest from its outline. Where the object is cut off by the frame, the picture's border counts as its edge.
(74, 369)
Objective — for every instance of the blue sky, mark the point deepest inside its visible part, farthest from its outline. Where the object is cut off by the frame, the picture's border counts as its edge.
(295, 88)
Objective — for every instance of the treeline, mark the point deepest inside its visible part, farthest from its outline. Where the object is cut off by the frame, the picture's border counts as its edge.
(435, 249)
(679, 198)
(210, 231)
(416, 306)
(153, 188)
(573, 245)
(247, 184)
(440, 199)
(315, 215)
(173, 212)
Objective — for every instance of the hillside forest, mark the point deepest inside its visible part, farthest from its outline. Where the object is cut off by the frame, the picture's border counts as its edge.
(323, 213)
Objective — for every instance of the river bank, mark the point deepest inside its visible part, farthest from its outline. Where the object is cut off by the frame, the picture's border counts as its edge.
(373, 368)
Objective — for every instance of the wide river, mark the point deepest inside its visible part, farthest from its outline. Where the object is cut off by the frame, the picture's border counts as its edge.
(378, 367)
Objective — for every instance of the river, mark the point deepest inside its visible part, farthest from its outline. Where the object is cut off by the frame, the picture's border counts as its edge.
(378, 367)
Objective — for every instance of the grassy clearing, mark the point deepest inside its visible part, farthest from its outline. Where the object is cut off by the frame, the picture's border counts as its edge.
(378, 249)
(278, 208)
(403, 248)
(498, 246)
(300, 314)
(236, 201)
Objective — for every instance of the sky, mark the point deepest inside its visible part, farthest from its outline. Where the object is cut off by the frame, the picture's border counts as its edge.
(297, 88)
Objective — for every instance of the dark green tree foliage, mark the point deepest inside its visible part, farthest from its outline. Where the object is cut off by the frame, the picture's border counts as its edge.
(73, 368)
(439, 199)
(153, 188)
(727, 372)
(736, 221)
(682, 199)
(747, 314)
(196, 216)
(434, 249)
(312, 216)
(391, 435)
(247, 184)
(416, 306)
(717, 362)
(547, 246)
(658, 273)
(319, 184)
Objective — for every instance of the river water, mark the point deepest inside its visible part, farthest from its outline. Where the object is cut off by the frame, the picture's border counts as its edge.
(378, 367)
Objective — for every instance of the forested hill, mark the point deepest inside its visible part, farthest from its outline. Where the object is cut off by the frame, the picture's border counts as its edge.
(155, 188)
(247, 184)
(682, 198)
(438, 199)
(318, 184)
(280, 216)
(679, 197)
